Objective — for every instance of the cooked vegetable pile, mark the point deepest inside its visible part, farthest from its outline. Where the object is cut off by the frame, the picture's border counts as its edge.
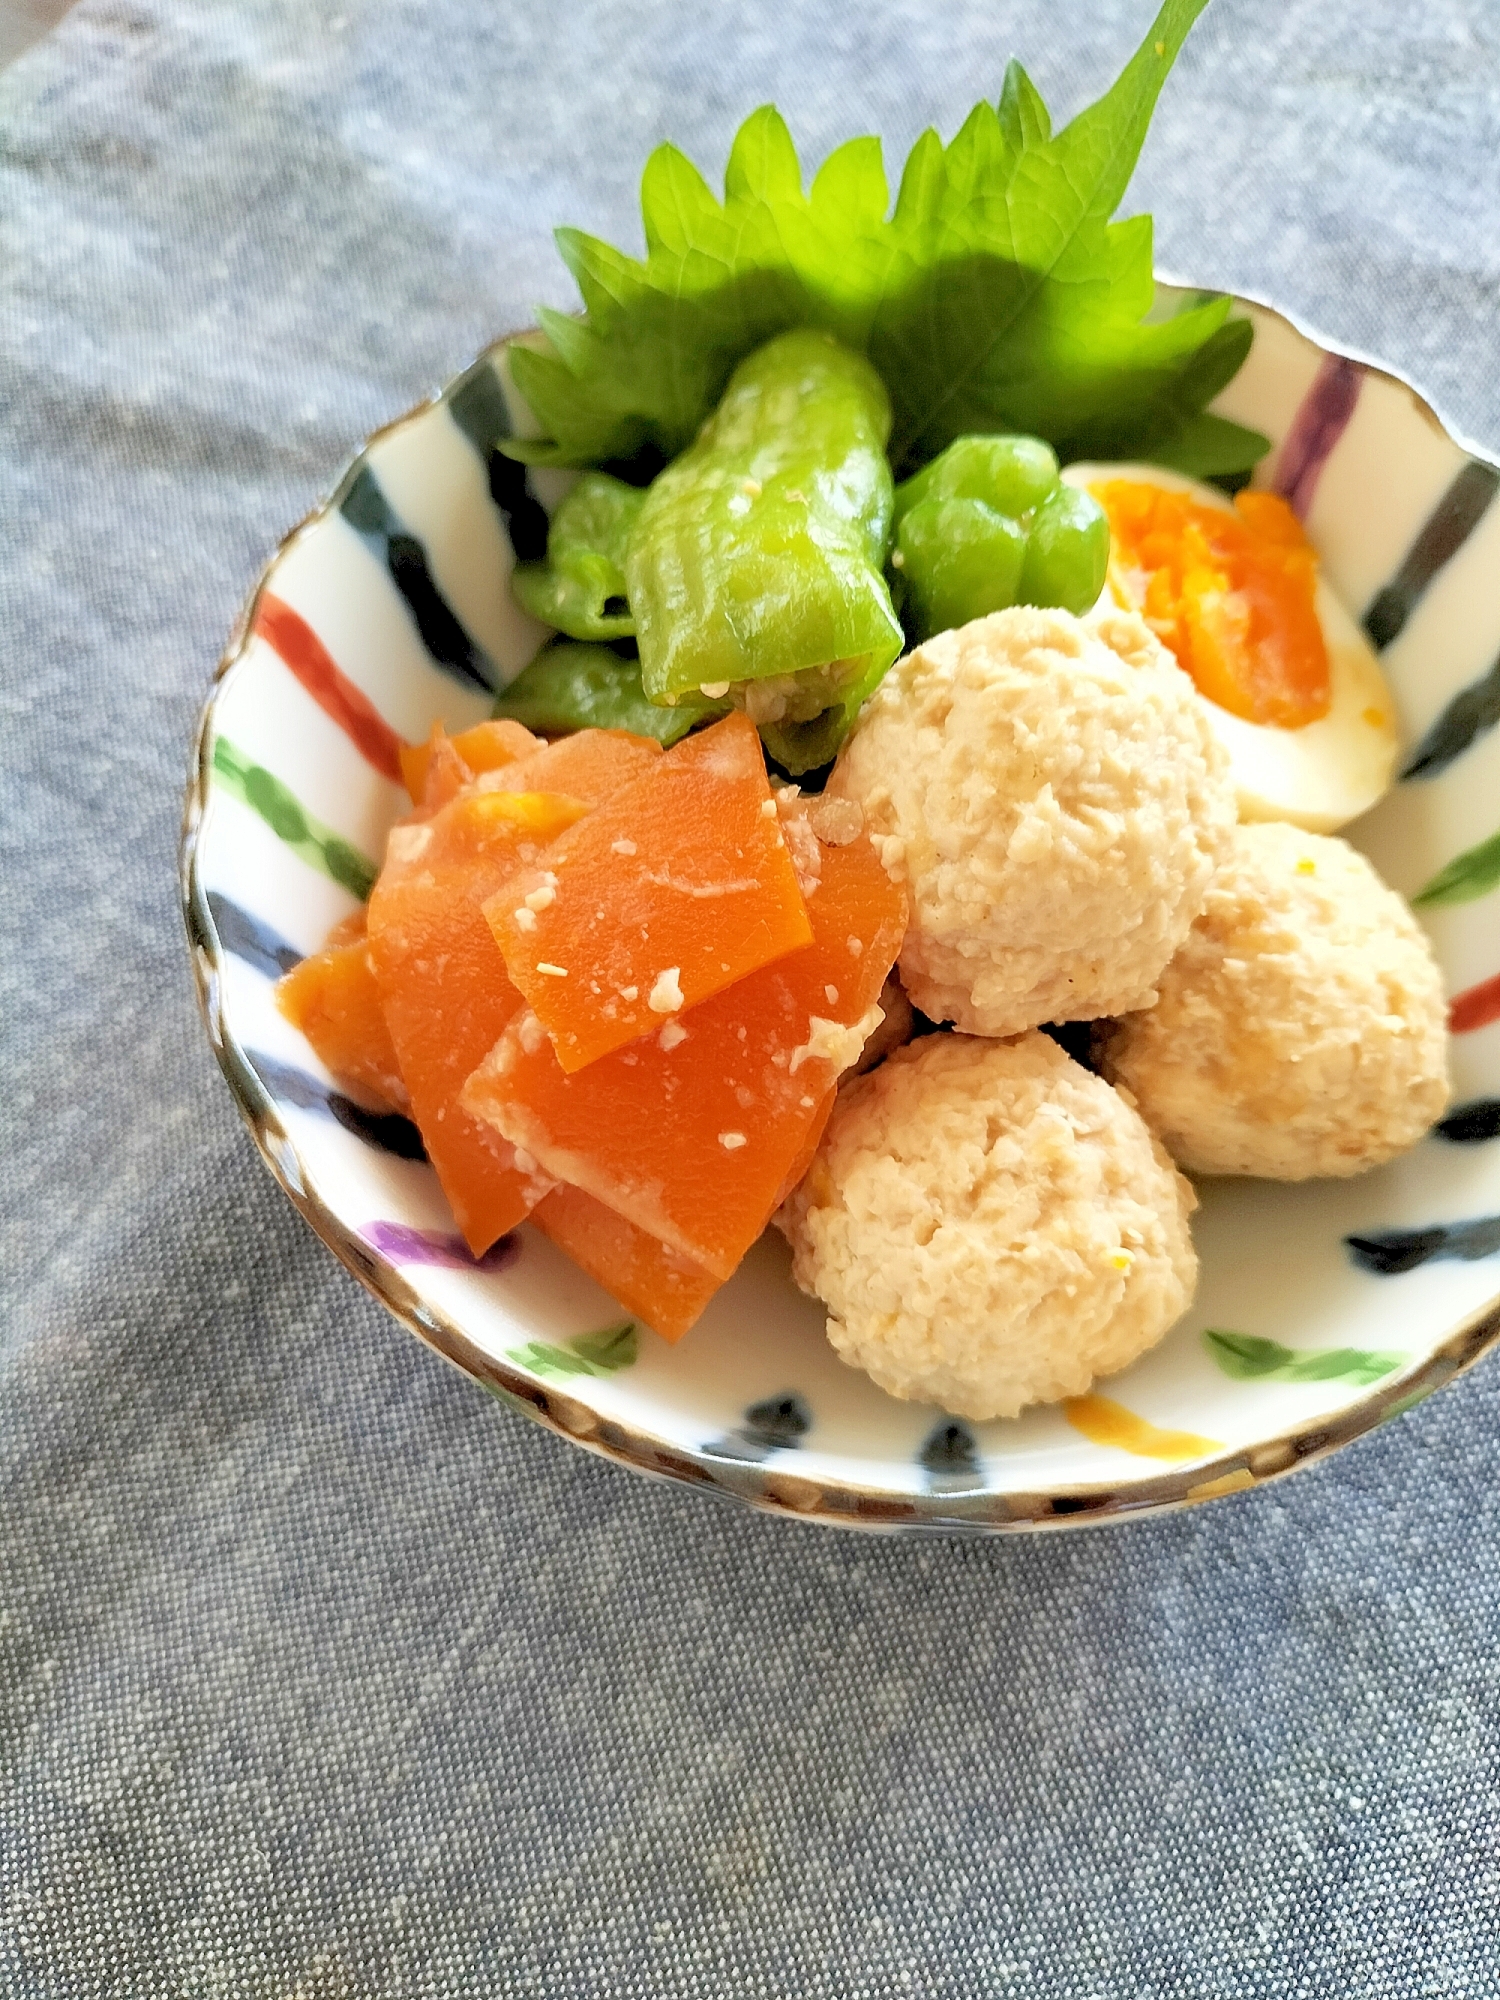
(615, 987)
(617, 977)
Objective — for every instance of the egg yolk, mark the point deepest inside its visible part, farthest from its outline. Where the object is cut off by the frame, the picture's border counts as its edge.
(1232, 594)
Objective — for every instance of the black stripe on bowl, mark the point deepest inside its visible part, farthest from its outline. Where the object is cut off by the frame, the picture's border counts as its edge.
(249, 939)
(950, 1458)
(364, 506)
(1392, 1251)
(1473, 711)
(1444, 533)
(778, 1424)
(1477, 1120)
(387, 1131)
(478, 407)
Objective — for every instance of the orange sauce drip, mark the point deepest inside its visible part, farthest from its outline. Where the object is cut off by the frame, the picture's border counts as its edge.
(1232, 594)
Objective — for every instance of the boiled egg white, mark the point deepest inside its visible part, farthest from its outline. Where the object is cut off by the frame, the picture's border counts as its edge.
(1328, 772)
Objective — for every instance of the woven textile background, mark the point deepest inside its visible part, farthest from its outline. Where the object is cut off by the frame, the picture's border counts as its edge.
(322, 1677)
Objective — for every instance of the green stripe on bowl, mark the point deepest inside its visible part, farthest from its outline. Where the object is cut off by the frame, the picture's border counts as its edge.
(253, 785)
(1247, 1357)
(1468, 876)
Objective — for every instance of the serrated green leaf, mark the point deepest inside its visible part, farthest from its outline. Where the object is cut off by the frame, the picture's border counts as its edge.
(763, 165)
(996, 296)
(1024, 117)
(1208, 447)
(570, 339)
(852, 183)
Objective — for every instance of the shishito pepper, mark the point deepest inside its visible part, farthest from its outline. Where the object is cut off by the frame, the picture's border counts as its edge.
(570, 686)
(753, 570)
(988, 524)
(580, 588)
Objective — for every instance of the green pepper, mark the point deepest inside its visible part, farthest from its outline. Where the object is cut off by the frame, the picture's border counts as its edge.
(988, 524)
(754, 567)
(1067, 551)
(570, 686)
(580, 588)
(1013, 475)
(958, 560)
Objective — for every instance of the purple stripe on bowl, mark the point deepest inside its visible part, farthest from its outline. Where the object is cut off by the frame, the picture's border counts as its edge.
(405, 1245)
(1322, 418)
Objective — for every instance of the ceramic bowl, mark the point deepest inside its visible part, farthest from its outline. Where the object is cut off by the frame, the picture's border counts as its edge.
(1324, 1308)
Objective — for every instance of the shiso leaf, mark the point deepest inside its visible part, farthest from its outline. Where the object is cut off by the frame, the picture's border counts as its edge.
(997, 295)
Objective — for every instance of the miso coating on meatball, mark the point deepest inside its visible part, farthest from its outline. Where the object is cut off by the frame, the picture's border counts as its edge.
(1054, 798)
(990, 1226)
(1301, 1030)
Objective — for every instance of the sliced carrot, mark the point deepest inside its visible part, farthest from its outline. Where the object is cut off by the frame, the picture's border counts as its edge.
(651, 1280)
(691, 1133)
(332, 997)
(486, 747)
(446, 776)
(489, 746)
(443, 986)
(592, 765)
(347, 929)
(807, 1150)
(677, 888)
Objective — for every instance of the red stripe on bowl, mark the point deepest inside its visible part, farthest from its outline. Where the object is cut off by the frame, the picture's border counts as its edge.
(288, 634)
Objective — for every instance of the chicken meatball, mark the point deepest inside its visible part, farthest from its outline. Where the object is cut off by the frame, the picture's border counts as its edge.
(990, 1226)
(1052, 795)
(1301, 1029)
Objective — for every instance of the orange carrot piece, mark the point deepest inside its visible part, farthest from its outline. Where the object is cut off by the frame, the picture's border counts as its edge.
(675, 889)
(592, 765)
(486, 747)
(807, 1150)
(447, 775)
(442, 983)
(651, 1281)
(348, 929)
(691, 1133)
(332, 997)
(489, 746)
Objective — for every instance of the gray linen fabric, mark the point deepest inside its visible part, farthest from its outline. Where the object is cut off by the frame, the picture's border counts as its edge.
(321, 1676)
